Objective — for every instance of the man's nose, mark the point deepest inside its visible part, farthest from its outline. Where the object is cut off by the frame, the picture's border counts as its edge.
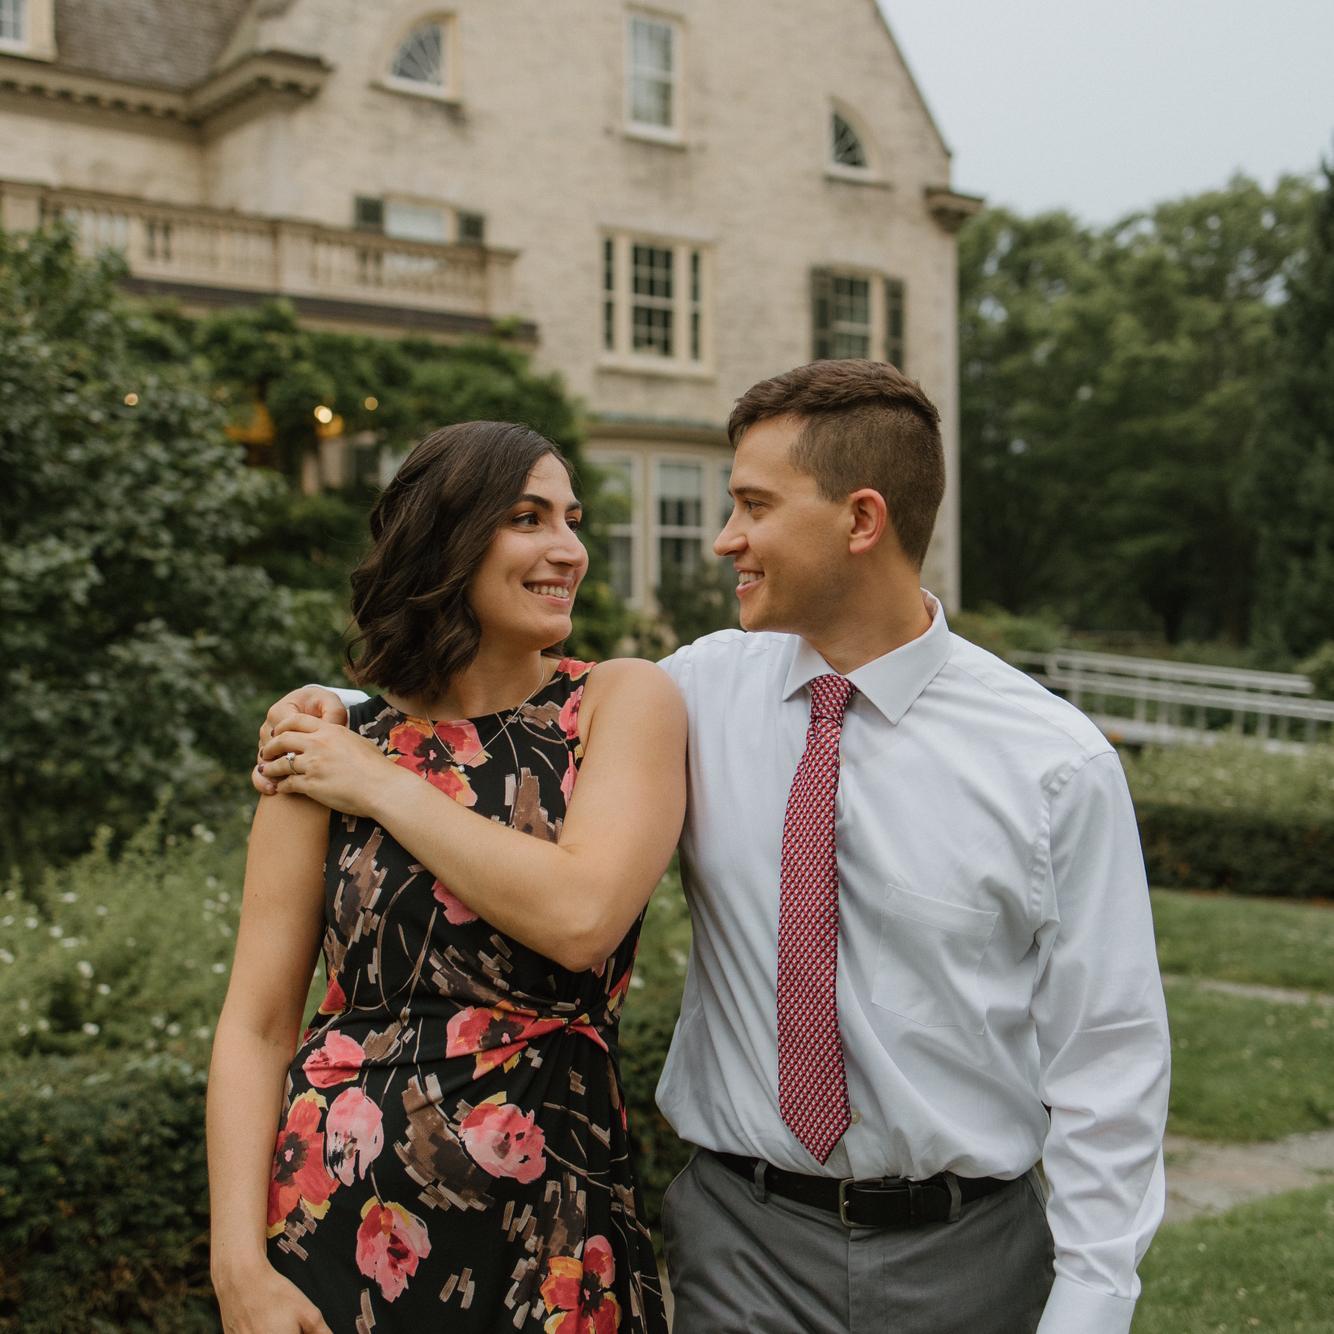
(729, 541)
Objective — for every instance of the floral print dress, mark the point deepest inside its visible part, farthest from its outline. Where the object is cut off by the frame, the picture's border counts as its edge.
(452, 1152)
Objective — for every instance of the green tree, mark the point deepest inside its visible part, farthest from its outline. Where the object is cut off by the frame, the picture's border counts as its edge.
(1112, 385)
(133, 639)
(1291, 483)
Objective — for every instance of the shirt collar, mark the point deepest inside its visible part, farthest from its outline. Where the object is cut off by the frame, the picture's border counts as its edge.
(891, 682)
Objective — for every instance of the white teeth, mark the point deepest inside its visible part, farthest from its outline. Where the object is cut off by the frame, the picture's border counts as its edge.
(548, 590)
(747, 577)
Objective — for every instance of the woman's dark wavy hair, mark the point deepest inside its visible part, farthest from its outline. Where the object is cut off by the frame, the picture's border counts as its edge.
(430, 528)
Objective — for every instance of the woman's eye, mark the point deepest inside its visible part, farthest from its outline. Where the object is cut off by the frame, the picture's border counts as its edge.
(529, 517)
(575, 523)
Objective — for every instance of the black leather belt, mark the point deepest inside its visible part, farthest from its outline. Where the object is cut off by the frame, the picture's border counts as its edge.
(873, 1202)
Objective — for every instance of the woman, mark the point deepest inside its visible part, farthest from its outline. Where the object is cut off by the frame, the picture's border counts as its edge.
(451, 1137)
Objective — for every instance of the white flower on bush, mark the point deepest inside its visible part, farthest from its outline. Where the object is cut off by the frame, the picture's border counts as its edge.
(30, 922)
(91, 1029)
(203, 833)
(85, 969)
(55, 931)
(69, 896)
(173, 1030)
(219, 967)
(101, 910)
(103, 989)
(6, 957)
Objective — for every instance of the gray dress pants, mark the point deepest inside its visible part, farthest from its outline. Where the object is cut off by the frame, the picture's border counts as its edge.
(742, 1261)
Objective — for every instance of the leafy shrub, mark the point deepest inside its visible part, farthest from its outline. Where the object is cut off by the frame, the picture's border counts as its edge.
(1003, 633)
(104, 1196)
(1236, 818)
(1320, 668)
(122, 953)
(131, 630)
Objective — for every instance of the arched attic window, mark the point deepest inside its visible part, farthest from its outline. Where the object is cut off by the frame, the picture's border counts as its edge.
(846, 148)
(421, 58)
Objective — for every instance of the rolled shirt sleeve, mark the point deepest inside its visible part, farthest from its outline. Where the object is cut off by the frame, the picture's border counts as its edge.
(1103, 1048)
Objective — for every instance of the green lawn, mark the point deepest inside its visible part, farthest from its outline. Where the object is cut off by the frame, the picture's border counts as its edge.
(1262, 1266)
(1246, 1069)
(1241, 939)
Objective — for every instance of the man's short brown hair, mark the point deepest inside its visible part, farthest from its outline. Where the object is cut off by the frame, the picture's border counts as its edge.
(866, 425)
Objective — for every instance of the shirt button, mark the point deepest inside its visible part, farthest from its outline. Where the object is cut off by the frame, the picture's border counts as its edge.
(856, 1117)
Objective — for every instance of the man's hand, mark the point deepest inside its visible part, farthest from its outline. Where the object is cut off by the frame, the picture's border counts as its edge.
(313, 700)
(329, 764)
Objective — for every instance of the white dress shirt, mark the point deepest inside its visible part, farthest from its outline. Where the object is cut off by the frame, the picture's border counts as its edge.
(996, 952)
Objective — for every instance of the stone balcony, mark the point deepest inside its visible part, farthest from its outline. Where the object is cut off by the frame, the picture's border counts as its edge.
(335, 277)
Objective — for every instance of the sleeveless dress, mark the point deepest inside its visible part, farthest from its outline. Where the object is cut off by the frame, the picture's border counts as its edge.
(452, 1151)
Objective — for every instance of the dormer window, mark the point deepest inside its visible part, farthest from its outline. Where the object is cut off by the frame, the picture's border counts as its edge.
(424, 60)
(13, 22)
(846, 145)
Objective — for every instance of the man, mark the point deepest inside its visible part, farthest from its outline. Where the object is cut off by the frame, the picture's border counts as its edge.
(923, 954)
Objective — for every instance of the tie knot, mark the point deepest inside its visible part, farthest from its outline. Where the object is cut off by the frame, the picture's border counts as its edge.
(830, 695)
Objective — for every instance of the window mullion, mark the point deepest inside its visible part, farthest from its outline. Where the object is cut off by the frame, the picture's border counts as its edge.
(624, 297)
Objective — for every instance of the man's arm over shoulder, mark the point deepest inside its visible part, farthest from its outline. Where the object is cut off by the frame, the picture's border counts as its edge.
(1103, 1048)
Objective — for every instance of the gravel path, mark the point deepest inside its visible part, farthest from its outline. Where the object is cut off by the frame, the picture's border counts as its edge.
(1278, 995)
(1207, 1178)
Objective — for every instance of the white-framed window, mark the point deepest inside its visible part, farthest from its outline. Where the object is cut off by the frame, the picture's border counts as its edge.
(653, 76)
(858, 314)
(849, 316)
(845, 147)
(680, 528)
(423, 62)
(621, 481)
(14, 23)
(655, 302)
(410, 220)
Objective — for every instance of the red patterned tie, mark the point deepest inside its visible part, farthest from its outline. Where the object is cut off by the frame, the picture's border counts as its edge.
(812, 1084)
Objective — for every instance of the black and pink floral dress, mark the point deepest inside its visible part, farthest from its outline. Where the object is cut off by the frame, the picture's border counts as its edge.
(453, 1151)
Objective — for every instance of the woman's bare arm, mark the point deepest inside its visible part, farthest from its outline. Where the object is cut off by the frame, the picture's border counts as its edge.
(573, 900)
(282, 912)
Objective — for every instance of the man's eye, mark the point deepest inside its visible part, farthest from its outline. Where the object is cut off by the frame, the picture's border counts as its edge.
(752, 505)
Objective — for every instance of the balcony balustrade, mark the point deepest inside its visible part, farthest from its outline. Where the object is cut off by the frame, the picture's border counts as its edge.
(172, 246)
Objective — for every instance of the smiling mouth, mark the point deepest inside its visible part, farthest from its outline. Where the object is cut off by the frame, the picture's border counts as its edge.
(557, 591)
(746, 580)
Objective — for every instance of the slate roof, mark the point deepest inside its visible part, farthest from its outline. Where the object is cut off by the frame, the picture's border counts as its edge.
(167, 43)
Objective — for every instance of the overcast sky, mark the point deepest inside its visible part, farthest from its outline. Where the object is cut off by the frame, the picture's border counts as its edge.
(1104, 108)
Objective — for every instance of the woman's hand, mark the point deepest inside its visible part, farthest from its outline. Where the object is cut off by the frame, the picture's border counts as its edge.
(319, 701)
(262, 1301)
(329, 764)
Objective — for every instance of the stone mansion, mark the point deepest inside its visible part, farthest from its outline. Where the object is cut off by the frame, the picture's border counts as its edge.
(665, 201)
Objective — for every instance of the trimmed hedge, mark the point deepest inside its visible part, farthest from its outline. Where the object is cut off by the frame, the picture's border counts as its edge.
(104, 1197)
(1187, 847)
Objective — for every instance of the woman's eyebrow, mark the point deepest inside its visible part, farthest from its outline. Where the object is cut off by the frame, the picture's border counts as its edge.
(543, 503)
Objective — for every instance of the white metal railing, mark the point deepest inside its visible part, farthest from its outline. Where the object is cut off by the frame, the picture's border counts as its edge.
(1178, 703)
(217, 248)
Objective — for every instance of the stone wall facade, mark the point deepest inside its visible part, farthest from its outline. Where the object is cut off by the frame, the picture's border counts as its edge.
(530, 129)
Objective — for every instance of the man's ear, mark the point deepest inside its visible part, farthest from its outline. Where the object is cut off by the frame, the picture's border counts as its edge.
(868, 518)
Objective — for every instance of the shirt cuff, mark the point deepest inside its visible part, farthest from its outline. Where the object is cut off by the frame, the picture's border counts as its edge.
(349, 697)
(1073, 1308)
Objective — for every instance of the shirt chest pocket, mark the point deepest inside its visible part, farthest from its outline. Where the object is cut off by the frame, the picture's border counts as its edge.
(927, 966)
